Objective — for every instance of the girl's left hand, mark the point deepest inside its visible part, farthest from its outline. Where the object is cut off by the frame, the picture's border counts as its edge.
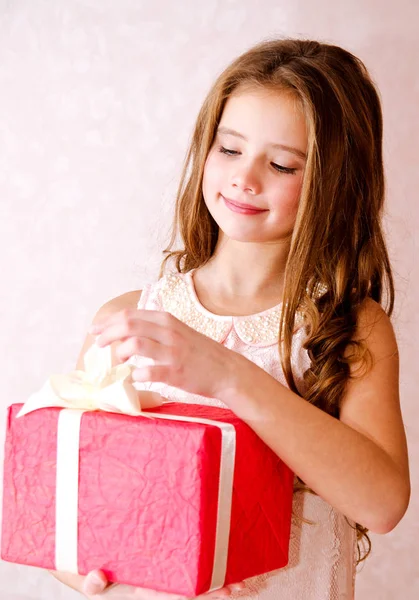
(96, 587)
(184, 358)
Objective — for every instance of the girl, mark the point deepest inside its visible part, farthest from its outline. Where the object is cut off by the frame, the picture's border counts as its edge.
(274, 307)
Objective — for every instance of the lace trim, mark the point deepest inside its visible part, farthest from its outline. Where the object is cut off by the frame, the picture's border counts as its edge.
(175, 298)
(261, 329)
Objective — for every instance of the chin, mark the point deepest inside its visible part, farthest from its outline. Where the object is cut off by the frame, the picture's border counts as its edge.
(252, 238)
(241, 235)
(242, 232)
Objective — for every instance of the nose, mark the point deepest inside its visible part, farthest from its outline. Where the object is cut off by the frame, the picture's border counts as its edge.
(246, 177)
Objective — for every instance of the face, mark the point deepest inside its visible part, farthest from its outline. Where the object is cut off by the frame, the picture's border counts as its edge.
(257, 159)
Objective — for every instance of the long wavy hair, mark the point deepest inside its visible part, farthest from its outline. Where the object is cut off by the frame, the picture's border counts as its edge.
(337, 243)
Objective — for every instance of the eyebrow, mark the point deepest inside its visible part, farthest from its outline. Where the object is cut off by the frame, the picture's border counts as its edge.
(296, 151)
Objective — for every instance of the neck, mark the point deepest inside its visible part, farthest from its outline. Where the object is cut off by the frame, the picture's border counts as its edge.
(245, 272)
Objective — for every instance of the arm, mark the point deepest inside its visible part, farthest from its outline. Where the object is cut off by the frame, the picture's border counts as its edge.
(358, 463)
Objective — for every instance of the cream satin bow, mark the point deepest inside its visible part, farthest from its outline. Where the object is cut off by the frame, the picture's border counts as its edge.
(99, 387)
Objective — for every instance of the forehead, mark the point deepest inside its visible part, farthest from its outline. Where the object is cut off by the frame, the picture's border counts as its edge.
(266, 116)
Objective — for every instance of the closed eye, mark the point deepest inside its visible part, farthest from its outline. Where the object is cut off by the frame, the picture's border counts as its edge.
(279, 168)
(227, 151)
(284, 169)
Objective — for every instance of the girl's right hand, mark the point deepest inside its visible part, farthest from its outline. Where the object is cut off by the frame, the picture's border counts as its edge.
(96, 586)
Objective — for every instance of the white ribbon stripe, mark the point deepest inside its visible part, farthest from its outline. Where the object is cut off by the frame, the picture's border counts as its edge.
(66, 555)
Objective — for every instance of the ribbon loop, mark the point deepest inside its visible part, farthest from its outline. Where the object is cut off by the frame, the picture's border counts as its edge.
(99, 387)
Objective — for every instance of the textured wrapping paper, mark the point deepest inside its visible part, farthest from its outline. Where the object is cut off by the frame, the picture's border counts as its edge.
(143, 501)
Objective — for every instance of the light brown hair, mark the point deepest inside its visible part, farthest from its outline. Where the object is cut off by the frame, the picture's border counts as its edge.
(337, 242)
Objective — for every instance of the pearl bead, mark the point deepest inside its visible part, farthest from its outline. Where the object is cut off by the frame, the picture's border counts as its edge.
(261, 329)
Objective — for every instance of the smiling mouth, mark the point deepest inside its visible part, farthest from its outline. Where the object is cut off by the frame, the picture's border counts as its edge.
(243, 207)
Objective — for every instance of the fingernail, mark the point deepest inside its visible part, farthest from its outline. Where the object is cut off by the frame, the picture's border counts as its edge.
(93, 584)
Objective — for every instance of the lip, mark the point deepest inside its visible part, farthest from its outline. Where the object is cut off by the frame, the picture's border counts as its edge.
(246, 207)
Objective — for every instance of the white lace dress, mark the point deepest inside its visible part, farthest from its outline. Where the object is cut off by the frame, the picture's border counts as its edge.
(323, 554)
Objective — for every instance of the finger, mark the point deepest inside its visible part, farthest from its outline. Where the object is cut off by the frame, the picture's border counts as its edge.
(124, 330)
(143, 346)
(159, 317)
(153, 373)
(95, 582)
(121, 331)
(127, 314)
(226, 591)
(235, 587)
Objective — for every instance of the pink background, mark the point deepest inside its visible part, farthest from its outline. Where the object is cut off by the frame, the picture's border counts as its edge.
(97, 103)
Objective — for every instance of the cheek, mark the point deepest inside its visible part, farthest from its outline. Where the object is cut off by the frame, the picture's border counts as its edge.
(288, 197)
(212, 174)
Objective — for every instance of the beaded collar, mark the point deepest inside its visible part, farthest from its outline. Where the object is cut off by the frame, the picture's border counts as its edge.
(178, 296)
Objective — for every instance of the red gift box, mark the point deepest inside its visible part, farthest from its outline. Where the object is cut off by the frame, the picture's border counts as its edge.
(179, 506)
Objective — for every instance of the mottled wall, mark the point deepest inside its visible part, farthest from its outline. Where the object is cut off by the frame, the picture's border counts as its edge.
(97, 101)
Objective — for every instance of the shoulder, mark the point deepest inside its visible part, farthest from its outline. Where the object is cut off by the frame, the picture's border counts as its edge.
(375, 329)
(370, 311)
(126, 300)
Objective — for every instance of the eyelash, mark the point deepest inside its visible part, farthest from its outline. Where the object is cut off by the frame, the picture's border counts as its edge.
(278, 168)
